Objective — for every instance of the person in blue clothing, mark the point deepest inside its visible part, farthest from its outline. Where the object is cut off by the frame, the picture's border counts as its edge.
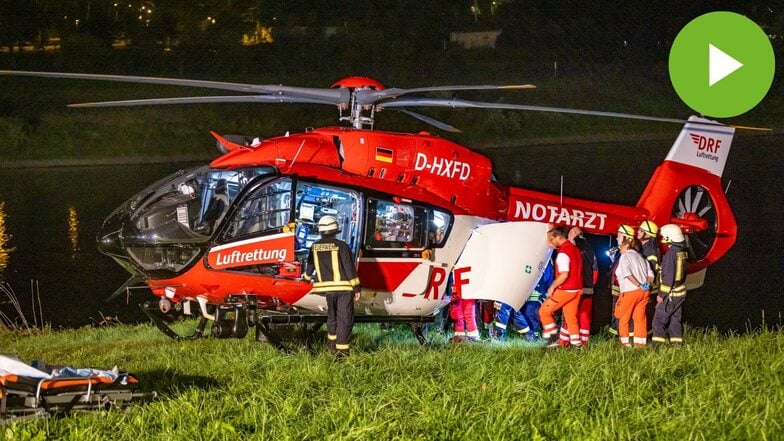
(531, 306)
(503, 314)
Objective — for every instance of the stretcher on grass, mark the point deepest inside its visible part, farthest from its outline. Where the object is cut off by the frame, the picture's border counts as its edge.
(28, 392)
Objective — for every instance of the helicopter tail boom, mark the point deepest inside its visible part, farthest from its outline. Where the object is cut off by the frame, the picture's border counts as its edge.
(685, 189)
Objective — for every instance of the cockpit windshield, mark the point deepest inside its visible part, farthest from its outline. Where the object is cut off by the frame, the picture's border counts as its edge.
(189, 206)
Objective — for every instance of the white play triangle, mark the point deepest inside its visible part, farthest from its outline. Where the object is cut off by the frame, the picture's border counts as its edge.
(720, 65)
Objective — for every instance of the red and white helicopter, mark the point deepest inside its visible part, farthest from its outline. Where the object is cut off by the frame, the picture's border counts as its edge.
(232, 235)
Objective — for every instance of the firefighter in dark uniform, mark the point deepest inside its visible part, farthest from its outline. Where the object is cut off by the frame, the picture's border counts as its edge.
(672, 288)
(336, 278)
(647, 233)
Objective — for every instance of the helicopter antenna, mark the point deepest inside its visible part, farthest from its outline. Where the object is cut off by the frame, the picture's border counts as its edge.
(561, 190)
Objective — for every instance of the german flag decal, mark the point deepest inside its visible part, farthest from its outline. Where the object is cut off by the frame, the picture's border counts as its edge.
(384, 155)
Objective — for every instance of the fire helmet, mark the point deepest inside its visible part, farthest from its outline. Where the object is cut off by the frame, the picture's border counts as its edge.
(328, 225)
(626, 230)
(671, 233)
(650, 228)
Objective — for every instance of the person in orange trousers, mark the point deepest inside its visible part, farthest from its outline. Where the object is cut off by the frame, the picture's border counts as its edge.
(590, 276)
(564, 293)
(634, 279)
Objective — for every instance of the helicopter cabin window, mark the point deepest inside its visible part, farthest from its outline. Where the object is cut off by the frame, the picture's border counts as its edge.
(190, 206)
(266, 209)
(395, 226)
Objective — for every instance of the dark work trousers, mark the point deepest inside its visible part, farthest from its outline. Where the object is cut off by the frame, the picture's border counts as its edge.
(667, 319)
(613, 318)
(340, 319)
(650, 310)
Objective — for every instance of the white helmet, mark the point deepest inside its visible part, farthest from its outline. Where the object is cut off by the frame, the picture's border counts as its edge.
(328, 224)
(671, 233)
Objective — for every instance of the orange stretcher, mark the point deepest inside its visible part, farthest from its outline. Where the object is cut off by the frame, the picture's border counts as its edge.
(23, 397)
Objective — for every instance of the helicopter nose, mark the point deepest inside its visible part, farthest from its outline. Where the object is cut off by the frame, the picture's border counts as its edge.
(109, 237)
(109, 243)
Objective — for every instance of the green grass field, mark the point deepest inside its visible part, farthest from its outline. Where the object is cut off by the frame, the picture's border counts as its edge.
(715, 387)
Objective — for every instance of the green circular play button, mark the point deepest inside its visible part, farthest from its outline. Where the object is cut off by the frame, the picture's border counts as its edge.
(721, 64)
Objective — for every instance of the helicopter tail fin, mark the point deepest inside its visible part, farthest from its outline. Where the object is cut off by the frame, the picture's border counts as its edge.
(686, 190)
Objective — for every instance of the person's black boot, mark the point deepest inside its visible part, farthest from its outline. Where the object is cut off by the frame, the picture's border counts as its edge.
(341, 354)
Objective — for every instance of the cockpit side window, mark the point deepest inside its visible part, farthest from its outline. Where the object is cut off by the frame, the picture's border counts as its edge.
(189, 207)
(264, 214)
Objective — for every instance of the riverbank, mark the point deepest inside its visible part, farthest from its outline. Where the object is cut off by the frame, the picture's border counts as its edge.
(715, 387)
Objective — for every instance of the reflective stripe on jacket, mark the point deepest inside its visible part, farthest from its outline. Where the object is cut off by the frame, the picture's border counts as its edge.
(333, 264)
(673, 272)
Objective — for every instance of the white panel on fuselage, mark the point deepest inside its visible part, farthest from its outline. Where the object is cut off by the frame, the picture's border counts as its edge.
(502, 262)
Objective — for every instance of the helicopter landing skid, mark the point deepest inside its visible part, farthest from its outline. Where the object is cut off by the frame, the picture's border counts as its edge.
(153, 313)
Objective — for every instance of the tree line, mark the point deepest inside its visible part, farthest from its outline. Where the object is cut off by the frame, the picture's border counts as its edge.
(317, 33)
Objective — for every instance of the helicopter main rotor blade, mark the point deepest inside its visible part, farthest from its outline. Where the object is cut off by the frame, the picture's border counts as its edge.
(334, 96)
(369, 96)
(203, 100)
(458, 103)
(341, 96)
(433, 122)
